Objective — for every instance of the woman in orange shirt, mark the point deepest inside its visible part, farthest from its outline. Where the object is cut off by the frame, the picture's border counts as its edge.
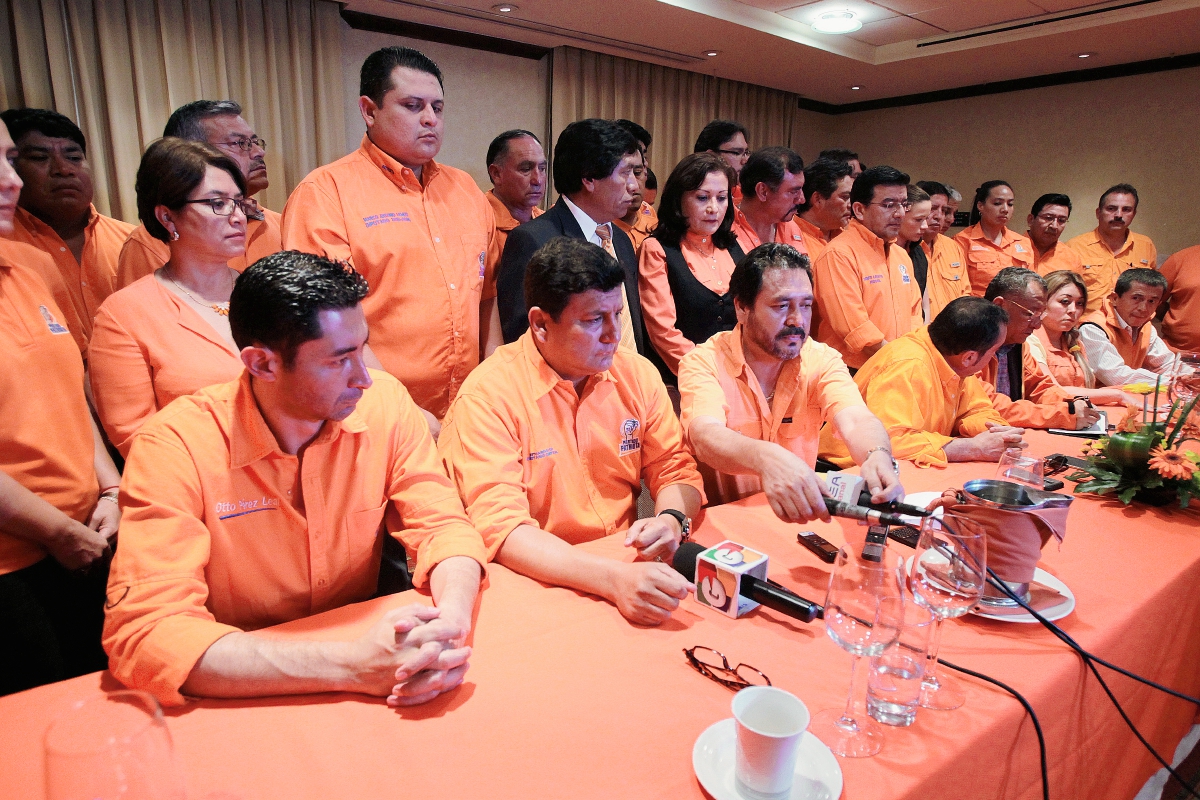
(684, 266)
(988, 243)
(167, 334)
(1056, 345)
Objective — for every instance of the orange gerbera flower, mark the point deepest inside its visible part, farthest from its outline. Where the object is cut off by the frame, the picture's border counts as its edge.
(1132, 422)
(1172, 464)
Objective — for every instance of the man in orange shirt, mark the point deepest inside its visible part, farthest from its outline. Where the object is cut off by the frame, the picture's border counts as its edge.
(267, 499)
(1047, 220)
(825, 211)
(1112, 248)
(952, 204)
(754, 398)
(946, 278)
(417, 230)
(516, 165)
(551, 438)
(219, 123)
(847, 157)
(866, 294)
(1024, 393)
(1120, 342)
(923, 388)
(772, 189)
(1181, 324)
(56, 215)
(641, 219)
(727, 139)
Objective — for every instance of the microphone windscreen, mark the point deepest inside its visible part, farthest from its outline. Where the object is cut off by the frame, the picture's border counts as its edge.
(685, 559)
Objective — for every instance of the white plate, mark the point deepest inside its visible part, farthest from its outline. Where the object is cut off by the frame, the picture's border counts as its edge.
(920, 499)
(818, 776)
(1053, 613)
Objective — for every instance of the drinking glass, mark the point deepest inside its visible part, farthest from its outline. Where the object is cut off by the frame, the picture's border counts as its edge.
(947, 575)
(1184, 381)
(1019, 467)
(864, 611)
(115, 747)
(894, 680)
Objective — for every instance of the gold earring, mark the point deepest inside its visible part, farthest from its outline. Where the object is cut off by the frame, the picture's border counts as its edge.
(175, 236)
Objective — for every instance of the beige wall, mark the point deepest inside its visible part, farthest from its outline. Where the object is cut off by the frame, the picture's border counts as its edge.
(1078, 139)
(486, 94)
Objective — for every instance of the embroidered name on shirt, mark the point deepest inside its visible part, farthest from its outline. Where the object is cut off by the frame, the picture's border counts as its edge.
(630, 443)
(549, 451)
(243, 507)
(873, 279)
(383, 219)
(54, 325)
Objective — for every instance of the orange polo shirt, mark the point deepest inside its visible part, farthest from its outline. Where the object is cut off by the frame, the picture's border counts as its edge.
(785, 233)
(524, 449)
(80, 287)
(1061, 256)
(813, 237)
(505, 224)
(985, 259)
(1181, 328)
(1043, 402)
(46, 441)
(658, 304)
(150, 347)
(1101, 266)
(643, 226)
(921, 401)
(946, 278)
(715, 381)
(213, 539)
(865, 293)
(421, 245)
(142, 254)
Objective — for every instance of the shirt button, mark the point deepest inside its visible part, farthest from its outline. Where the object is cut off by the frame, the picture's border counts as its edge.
(452, 286)
(62, 249)
(321, 582)
(437, 239)
(84, 283)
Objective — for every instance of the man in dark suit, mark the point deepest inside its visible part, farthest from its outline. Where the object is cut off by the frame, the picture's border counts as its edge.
(594, 161)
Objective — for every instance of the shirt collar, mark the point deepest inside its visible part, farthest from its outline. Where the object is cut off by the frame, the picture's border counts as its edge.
(809, 228)
(586, 223)
(505, 221)
(946, 373)
(976, 232)
(396, 172)
(541, 375)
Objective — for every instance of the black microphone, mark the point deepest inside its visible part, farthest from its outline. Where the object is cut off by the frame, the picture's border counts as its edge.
(765, 593)
(839, 509)
(864, 499)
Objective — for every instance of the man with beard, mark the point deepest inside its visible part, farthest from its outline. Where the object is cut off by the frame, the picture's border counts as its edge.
(754, 398)
(772, 190)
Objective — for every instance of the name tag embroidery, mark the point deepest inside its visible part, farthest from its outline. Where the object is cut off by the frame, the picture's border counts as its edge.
(873, 279)
(549, 451)
(240, 508)
(385, 218)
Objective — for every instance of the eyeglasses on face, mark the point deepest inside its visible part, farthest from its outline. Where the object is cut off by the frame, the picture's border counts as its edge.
(890, 206)
(714, 666)
(245, 145)
(740, 152)
(1032, 316)
(224, 206)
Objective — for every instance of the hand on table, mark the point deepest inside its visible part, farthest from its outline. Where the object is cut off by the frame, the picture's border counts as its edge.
(1085, 416)
(991, 445)
(654, 537)
(408, 656)
(646, 592)
(793, 490)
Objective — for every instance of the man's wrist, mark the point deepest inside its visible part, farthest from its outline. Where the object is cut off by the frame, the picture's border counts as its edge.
(682, 524)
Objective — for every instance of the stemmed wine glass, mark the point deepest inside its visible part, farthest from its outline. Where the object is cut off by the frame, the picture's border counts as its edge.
(947, 575)
(864, 612)
(1184, 381)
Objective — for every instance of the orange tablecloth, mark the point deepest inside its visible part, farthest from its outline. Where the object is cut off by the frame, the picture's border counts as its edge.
(567, 699)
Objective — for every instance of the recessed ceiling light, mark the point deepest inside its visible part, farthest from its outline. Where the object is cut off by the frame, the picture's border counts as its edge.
(855, 88)
(836, 22)
(1085, 55)
(712, 53)
(505, 8)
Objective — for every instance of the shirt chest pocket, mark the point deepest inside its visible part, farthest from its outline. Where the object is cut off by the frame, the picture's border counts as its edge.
(474, 246)
(1022, 258)
(361, 539)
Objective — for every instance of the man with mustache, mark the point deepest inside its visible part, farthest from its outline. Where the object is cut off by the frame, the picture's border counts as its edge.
(1112, 248)
(263, 500)
(551, 437)
(754, 398)
(866, 294)
(516, 165)
(772, 184)
(825, 211)
(219, 123)
(56, 216)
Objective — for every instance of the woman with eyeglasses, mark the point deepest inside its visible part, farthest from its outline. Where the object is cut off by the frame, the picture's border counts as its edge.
(167, 335)
(988, 243)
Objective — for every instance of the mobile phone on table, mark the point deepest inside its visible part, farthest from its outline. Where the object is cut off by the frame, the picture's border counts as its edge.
(876, 541)
(905, 534)
(1052, 484)
(821, 548)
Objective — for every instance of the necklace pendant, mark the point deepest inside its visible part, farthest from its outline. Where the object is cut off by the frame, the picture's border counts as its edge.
(222, 309)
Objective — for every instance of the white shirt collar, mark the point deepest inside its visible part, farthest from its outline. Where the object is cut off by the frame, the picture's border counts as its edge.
(586, 223)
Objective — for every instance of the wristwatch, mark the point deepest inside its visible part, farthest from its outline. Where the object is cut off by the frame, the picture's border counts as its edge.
(684, 522)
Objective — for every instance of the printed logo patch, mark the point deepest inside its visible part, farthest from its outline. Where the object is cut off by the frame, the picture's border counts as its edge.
(549, 451)
(904, 273)
(1019, 249)
(385, 218)
(630, 443)
(482, 264)
(54, 325)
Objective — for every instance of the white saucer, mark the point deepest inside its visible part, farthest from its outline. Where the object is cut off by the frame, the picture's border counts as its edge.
(818, 776)
(1053, 613)
(920, 499)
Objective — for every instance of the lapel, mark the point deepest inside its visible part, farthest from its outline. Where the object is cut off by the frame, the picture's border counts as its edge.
(565, 220)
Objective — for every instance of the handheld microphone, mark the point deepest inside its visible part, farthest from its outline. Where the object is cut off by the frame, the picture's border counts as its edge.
(852, 490)
(864, 499)
(839, 509)
(758, 590)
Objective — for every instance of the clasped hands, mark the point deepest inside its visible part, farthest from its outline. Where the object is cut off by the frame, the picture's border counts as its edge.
(411, 655)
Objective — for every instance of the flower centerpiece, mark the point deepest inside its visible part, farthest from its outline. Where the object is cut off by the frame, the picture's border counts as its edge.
(1143, 459)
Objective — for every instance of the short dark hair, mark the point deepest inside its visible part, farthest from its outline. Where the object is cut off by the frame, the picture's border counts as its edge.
(717, 133)
(933, 187)
(1011, 280)
(375, 77)
(822, 177)
(185, 121)
(1120, 188)
(768, 166)
(499, 146)
(651, 179)
(841, 154)
(1148, 277)
(967, 323)
(21, 121)
(641, 134)
(981, 195)
(589, 149)
(170, 170)
(882, 175)
(565, 266)
(276, 301)
(746, 281)
(1051, 199)
(687, 176)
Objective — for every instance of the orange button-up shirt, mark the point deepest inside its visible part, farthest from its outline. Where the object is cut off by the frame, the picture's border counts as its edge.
(79, 287)
(715, 381)
(1061, 256)
(785, 233)
(150, 347)
(643, 226)
(422, 245)
(142, 254)
(921, 401)
(865, 293)
(1043, 402)
(1062, 365)
(813, 237)
(985, 259)
(1101, 266)
(46, 441)
(213, 539)
(505, 223)
(1181, 328)
(946, 278)
(524, 449)
(654, 289)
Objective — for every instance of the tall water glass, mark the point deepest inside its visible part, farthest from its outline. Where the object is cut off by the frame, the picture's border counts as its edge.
(895, 678)
(947, 575)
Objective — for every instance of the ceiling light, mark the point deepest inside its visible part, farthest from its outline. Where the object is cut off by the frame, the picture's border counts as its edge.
(1085, 55)
(712, 53)
(836, 22)
(505, 8)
